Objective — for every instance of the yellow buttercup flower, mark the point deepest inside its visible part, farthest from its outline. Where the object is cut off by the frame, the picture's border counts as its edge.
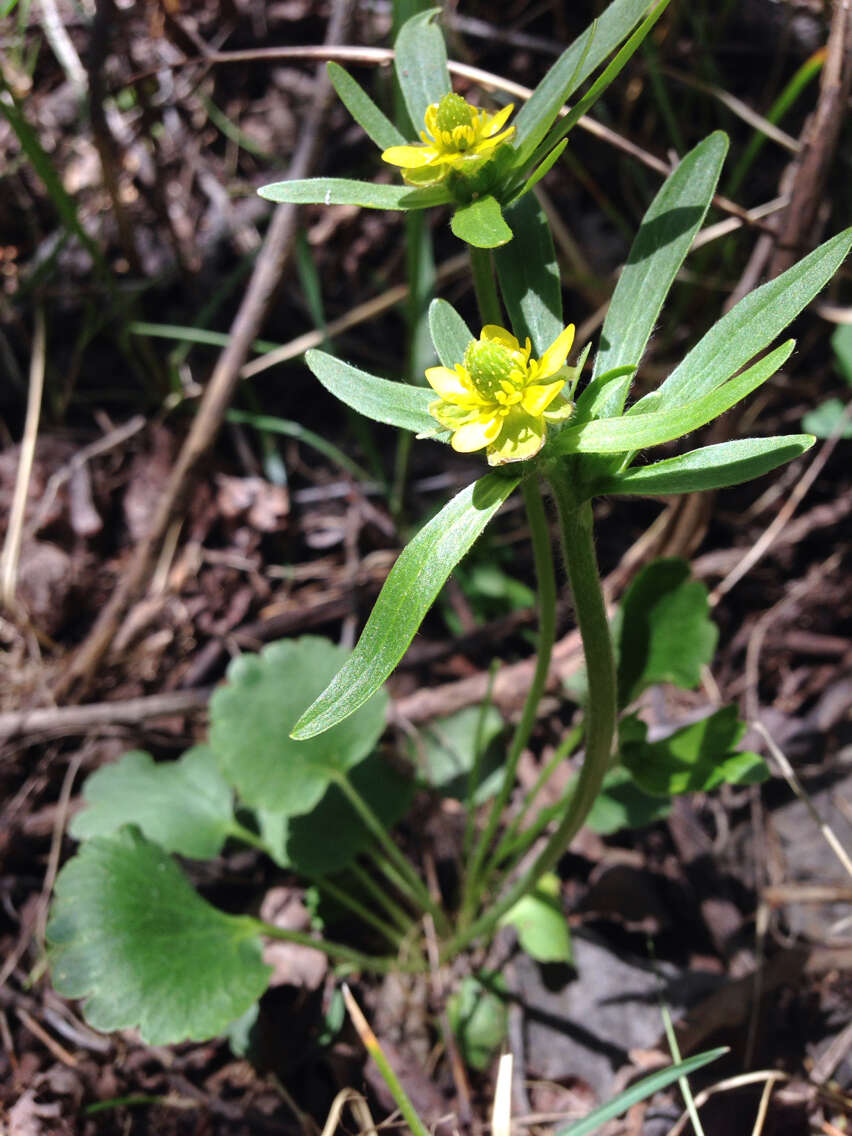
(458, 136)
(499, 399)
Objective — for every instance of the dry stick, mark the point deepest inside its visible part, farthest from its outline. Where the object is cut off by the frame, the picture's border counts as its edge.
(64, 721)
(14, 534)
(269, 267)
(819, 140)
(800, 490)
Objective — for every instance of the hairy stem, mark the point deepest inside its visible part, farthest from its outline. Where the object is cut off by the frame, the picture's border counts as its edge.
(601, 712)
(546, 580)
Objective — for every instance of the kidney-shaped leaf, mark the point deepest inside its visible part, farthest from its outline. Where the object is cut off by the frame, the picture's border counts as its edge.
(414, 582)
(184, 806)
(130, 936)
(251, 717)
(694, 759)
(329, 837)
(540, 922)
(665, 633)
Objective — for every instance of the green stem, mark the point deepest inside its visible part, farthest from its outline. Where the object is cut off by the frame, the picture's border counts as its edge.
(504, 847)
(546, 581)
(345, 899)
(412, 884)
(378, 964)
(601, 712)
(402, 920)
(484, 286)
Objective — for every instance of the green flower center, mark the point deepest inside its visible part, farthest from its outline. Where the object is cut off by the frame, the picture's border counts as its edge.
(453, 111)
(494, 369)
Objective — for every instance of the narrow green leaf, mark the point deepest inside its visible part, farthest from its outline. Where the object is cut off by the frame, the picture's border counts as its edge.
(750, 326)
(636, 431)
(420, 61)
(450, 333)
(481, 223)
(841, 342)
(665, 632)
(529, 276)
(613, 69)
(414, 582)
(547, 163)
(710, 467)
(130, 936)
(664, 238)
(374, 122)
(383, 400)
(572, 68)
(639, 1092)
(252, 714)
(347, 191)
(184, 806)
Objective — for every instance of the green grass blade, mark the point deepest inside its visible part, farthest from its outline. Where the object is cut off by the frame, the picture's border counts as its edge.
(639, 1092)
(410, 589)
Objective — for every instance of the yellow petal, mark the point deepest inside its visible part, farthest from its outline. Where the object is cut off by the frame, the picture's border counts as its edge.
(556, 354)
(475, 435)
(521, 438)
(498, 119)
(410, 157)
(537, 398)
(500, 335)
(451, 386)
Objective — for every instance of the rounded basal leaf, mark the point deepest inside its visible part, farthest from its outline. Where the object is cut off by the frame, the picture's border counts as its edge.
(479, 1018)
(445, 753)
(184, 806)
(622, 804)
(540, 922)
(666, 633)
(130, 936)
(329, 837)
(252, 715)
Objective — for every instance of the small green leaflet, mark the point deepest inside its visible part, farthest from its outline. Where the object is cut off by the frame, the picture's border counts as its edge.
(481, 223)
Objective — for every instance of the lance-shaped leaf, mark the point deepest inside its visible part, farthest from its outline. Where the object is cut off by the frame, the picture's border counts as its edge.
(397, 404)
(611, 72)
(420, 60)
(130, 936)
(529, 279)
(481, 223)
(184, 806)
(710, 467)
(664, 238)
(374, 122)
(251, 717)
(450, 333)
(749, 327)
(572, 68)
(410, 589)
(636, 431)
(348, 191)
